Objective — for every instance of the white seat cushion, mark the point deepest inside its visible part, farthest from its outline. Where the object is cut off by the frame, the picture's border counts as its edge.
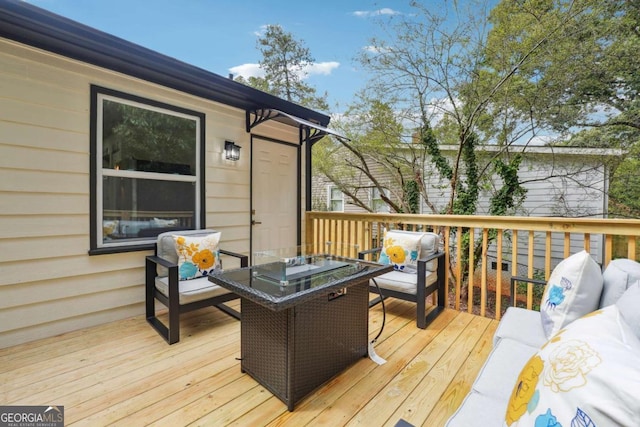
(403, 282)
(496, 378)
(479, 410)
(629, 306)
(521, 325)
(191, 290)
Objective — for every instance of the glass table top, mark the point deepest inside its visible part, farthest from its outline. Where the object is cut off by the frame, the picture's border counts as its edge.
(279, 276)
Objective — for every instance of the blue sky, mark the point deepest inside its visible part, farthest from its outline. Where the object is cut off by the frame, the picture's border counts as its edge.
(220, 36)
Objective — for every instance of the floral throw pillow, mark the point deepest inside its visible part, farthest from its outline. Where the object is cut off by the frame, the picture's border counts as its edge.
(197, 255)
(586, 375)
(402, 250)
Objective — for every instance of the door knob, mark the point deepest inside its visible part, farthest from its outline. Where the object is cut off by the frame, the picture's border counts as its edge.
(254, 222)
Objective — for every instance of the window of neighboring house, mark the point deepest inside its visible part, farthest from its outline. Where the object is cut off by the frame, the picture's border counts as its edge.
(147, 170)
(336, 199)
(377, 204)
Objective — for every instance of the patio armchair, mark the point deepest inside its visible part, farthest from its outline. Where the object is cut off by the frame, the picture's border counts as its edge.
(166, 280)
(406, 282)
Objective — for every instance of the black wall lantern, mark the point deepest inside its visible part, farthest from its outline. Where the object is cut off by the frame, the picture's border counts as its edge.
(231, 151)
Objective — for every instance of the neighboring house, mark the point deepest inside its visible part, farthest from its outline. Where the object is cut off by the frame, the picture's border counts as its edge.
(560, 181)
(85, 187)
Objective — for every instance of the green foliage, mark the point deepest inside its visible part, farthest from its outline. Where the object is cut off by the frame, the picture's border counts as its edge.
(375, 157)
(431, 145)
(284, 62)
(511, 194)
(139, 134)
(466, 198)
(623, 192)
(596, 41)
(412, 196)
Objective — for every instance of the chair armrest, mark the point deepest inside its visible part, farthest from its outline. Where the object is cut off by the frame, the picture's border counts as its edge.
(361, 254)
(431, 257)
(151, 273)
(515, 279)
(161, 261)
(244, 259)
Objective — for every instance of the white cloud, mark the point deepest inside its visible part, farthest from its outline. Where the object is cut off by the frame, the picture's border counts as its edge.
(376, 49)
(261, 31)
(368, 13)
(317, 68)
(323, 68)
(247, 70)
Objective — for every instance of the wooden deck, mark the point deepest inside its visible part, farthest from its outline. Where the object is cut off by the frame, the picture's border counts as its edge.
(124, 373)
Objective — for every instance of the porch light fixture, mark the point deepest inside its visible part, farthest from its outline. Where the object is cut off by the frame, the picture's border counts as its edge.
(231, 151)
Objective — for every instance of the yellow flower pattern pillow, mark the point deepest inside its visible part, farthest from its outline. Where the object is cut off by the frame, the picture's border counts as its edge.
(402, 250)
(198, 256)
(588, 375)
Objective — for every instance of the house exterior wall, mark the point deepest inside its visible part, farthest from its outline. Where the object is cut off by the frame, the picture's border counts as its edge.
(48, 282)
(321, 185)
(561, 182)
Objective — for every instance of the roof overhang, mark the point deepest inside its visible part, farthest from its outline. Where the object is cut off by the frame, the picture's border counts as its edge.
(36, 27)
(310, 132)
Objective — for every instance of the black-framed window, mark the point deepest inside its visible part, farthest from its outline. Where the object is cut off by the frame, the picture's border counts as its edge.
(147, 170)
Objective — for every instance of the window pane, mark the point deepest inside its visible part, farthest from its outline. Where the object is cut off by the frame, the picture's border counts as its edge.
(336, 205)
(336, 194)
(141, 139)
(143, 208)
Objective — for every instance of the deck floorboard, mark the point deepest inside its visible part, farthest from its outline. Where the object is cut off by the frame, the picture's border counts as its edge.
(123, 373)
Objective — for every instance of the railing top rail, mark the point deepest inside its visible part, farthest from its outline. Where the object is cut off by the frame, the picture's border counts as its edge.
(626, 227)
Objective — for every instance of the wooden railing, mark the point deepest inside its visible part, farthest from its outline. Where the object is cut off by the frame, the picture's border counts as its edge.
(492, 249)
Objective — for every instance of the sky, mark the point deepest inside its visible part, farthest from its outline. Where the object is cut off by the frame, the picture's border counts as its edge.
(220, 35)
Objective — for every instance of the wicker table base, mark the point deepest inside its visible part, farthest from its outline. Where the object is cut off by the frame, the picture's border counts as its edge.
(293, 351)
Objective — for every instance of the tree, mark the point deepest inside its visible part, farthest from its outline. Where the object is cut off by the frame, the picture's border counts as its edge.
(582, 82)
(584, 70)
(427, 66)
(429, 69)
(284, 62)
(375, 158)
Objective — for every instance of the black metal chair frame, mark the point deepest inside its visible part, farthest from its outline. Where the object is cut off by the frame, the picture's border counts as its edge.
(171, 333)
(422, 291)
(514, 282)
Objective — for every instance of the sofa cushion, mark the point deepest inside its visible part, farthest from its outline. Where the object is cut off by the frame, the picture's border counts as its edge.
(521, 325)
(572, 291)
(587, 374)
(164, 223)
(429, 246)
(401, 249)
(197, 255)
(629, 306)
(501, 367)
(477, 409)
(402, 282)
(191, 290)
(617, 277)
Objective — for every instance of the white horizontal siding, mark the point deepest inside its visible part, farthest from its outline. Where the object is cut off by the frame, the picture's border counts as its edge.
(48, 282)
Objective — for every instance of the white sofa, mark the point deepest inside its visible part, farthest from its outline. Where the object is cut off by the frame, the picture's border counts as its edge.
(521, 335)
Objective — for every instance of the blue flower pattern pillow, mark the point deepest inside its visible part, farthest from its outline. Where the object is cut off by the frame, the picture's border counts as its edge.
(572, 291)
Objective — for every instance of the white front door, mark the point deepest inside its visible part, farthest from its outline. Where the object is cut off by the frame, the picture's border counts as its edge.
(274, 181)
